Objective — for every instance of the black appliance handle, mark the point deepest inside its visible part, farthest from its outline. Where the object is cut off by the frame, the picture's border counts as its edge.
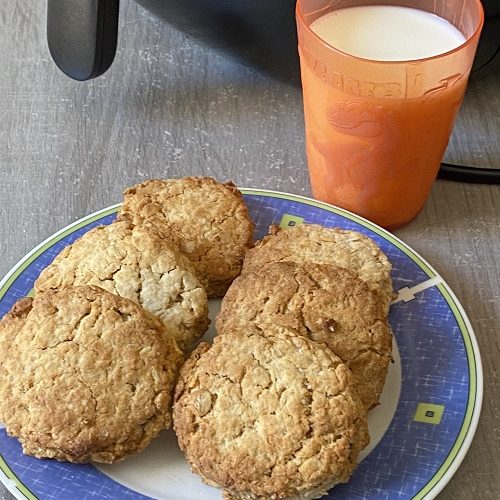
(82, 35)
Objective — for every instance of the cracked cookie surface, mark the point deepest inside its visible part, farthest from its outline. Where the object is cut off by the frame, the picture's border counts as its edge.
(314, 243)
(325, 303)
(268, 414)
(85, 375)
(135, 263)
(208, 221)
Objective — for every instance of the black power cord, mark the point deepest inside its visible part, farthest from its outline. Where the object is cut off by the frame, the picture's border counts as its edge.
(476, 175)
(463, 173)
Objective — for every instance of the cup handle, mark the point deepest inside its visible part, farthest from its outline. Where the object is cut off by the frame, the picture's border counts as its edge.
(82, 36)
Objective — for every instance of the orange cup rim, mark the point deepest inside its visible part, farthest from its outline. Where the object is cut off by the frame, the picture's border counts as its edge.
(300, 18)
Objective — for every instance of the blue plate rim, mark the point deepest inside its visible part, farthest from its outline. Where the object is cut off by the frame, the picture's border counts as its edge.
(471, 417)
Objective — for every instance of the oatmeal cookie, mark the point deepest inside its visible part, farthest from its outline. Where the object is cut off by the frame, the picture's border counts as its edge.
(85, 375)
(208, 220)
(268, 414)
(325, 303)
(313, 243)
(135, 263)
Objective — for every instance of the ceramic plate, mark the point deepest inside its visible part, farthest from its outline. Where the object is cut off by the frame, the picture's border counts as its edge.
(420, 432)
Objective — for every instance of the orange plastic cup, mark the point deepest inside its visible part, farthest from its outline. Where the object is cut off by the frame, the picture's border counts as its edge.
(376, 131)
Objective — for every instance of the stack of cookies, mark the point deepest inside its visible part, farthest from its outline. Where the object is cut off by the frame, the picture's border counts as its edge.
(87, 367)
(277, 406)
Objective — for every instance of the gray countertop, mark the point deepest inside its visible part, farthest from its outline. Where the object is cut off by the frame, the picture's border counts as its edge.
(171, 107)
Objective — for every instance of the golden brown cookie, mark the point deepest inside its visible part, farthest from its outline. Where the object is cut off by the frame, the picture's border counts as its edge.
(313, 243)
(208, 220)
(135, 263)
(324, 303)
(85, 375)
(268, 414)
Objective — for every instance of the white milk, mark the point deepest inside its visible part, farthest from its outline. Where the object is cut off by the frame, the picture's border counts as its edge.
(387, 33)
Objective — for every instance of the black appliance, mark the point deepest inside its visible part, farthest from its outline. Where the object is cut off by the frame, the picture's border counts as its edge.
(82, 37)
